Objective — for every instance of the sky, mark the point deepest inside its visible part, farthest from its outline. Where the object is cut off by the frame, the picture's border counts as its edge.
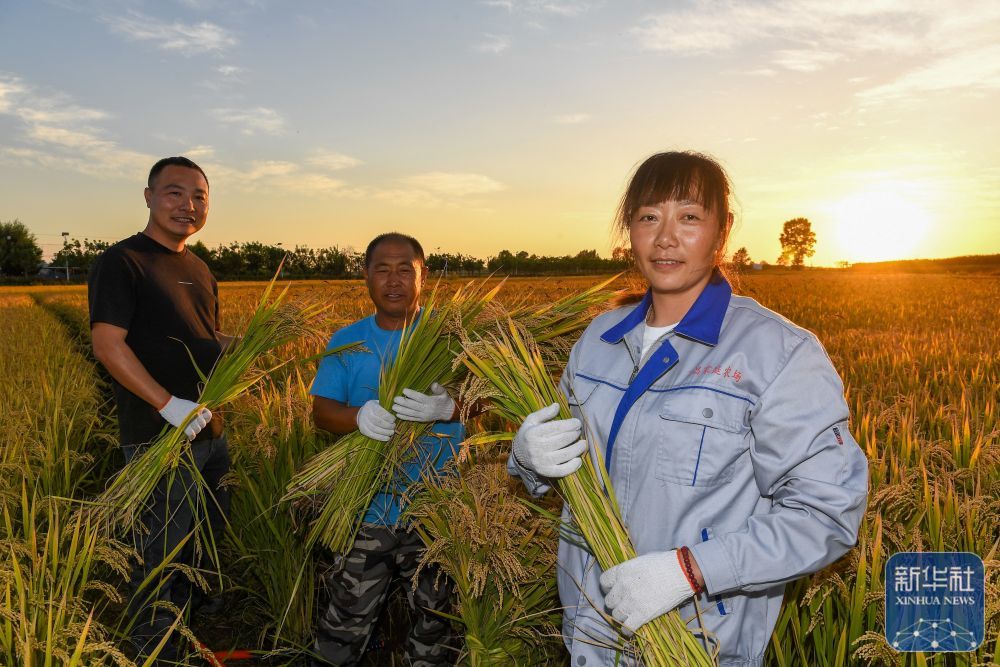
(506, 124)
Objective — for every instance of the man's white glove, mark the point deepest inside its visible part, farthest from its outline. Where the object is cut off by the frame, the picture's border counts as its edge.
(640, 589)
(549, 448)
(177, 410)
(375, 421)
(413, 406)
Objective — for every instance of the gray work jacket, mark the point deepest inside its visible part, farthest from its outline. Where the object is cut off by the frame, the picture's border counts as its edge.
(731, 437)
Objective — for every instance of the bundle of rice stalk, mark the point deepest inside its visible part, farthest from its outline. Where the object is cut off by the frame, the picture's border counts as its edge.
(271, 434)
(481, 532)
(511, 367)
(345, 477)
(564, 317)
(240, 367)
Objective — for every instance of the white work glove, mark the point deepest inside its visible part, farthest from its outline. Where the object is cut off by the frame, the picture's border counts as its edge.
(413, 406)
(177, 410)
(640, 589)
(549, 448)
(375, 421)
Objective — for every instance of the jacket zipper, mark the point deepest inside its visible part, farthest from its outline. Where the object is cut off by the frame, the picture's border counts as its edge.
(637, 364)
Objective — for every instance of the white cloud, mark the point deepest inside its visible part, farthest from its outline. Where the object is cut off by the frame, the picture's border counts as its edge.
(493, 44)
(61, 134)
(565, 8)
(55, 133)
(277, 176)
(454, 184)
(188, 38)
(106, 163)
(572, 118)
(10, 88)
(927, 43)
(267, 168)
(228, 76)
(562, 8)
(805, 60)
(58, 134)
(333, 161)
(230, 71)
(259, 120)
(438, 189)
(67, 114)
(412, 197)
(199, 152)
(977, 70)
(311, 183)
(879, 25)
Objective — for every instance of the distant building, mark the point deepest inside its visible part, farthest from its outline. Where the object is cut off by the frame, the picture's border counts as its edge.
(58, 272)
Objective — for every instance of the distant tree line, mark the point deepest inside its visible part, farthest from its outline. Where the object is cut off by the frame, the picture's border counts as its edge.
(20, 256)
(252, 260)
(585, 261)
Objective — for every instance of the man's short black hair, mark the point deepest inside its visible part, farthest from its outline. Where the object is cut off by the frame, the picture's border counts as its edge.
(418, 249)
(176, 161)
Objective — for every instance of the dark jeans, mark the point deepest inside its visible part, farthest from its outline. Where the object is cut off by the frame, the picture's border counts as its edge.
(171, 516)
(359, 587)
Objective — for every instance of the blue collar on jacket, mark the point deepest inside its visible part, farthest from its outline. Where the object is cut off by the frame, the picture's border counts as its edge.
(701, 323)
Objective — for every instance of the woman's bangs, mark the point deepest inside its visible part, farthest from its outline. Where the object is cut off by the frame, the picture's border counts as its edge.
(677, 185)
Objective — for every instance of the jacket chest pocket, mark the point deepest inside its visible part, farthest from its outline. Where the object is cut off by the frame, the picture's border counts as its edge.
(700, 437)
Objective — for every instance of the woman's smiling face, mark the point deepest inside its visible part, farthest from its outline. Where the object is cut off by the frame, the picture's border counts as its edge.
(675, 244)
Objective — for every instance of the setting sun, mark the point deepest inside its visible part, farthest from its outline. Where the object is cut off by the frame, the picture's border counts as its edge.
(879, 224)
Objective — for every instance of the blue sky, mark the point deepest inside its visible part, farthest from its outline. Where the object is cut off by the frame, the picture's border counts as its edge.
(479, 126)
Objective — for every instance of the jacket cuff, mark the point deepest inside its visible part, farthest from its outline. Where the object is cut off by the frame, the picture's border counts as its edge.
(717, 570)
(532, 482)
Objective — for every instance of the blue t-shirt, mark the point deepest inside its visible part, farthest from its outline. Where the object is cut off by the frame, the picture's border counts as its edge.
(352, 379)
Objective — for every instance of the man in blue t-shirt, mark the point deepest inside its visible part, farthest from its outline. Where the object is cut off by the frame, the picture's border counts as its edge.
(345, 398)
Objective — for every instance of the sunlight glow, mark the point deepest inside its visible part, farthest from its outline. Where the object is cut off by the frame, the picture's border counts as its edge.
(881, 223)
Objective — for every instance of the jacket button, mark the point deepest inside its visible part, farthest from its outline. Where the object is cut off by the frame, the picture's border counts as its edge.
(707, 413)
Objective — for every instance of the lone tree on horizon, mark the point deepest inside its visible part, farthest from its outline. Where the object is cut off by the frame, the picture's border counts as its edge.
(741, 259)
(797, 242)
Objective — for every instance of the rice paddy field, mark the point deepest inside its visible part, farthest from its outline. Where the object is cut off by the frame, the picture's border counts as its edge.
(919, 355)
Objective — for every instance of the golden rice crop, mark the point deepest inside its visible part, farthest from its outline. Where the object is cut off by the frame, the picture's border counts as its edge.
(482, 531)
(918, 354)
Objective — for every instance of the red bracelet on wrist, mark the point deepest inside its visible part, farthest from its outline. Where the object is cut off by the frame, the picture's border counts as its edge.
(684, 557)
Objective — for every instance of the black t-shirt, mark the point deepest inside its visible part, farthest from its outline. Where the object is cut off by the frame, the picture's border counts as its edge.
(166, 300)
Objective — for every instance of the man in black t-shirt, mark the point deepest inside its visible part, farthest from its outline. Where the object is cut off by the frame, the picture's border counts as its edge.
(154, 307)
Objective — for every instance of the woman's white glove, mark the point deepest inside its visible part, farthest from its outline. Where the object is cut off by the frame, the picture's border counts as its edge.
(414, 406)
(375, 421)
(640, 589)
(176, 411)
(549, 448)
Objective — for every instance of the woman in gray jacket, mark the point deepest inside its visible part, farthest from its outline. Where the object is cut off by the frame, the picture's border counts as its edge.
(722, 424)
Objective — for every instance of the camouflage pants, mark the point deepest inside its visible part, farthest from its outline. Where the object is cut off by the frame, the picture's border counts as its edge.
(358, 590)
